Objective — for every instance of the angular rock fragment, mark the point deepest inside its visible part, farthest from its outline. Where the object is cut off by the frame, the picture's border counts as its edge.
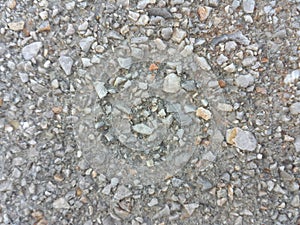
(31, 50)
(243, 140)
(203, 113)
(171, 83)
(66, 64)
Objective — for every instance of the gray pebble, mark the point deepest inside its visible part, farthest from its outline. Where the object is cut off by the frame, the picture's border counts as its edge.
(86, 43)
(188, 50)
(162, 12)
(244, 80)
(177, 2)
(31, 50)
(139, 40)
(204, 183)
(295, 108)
(249, 61)
(162, 213)
(142, 129)
(171, 83)
(202, 62)
(153, 202)
(125, 62)
(222, 59)
(61, 203)
(214, 3)
(166, 33)
(176, 182)
(143, 20)
(100, 89)
(178, 35)
(122, 192)
(295, 201)
(190, 208)
(248, 6)
(66, 64)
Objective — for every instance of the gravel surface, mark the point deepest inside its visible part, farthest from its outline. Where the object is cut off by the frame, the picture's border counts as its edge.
(149, 112)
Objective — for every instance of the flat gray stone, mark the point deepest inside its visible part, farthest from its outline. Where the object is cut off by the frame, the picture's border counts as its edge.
(61, 203)
(166, 33)
(295, 108)
(248, 6)
(171, 83)
(202, 62)
(249, 61)
(100, 89)
(162, 12)
(142, 129)
(66, 64)
(178, 35)
(125, 62)
(122, 192)
(244, 80)
(86, 43)
(292, 77)
(31, 50)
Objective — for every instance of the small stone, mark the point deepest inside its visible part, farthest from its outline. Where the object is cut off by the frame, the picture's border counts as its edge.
(203, 113)
(244, 80)
(222, 59)
(83, 26)
(16, 26)
(1, 102)
(43, 15)
(61, 203)
(100, 89)
(177, 2)
(297, 144)
(222, 83)
(171, 83)
(204, 183)
(139, 40)
(292, 77)
(203, 64)
(142, 129)
(214, 3)
(203, 12)
(44, 27)
(55, 84)
(190, 208)
(70, 30)
(295, 108)
(133, 15)
(162, 12)
(153, 202)
(86, 62)
(188, 50)
(57, 109)
(243, 140)
(230, 68)
(224, 107)
(66, 64)
(122, 192)
(31, 50)
(125, 62)
(178, 35)
(230, 46)
(11, 4)
(248, 6)
(162, 213)
(176, 182)
(70, 6)
(86, 43)
(295, 201)
(143, 20)
(166, 33)
(160, 44)
(249, 61)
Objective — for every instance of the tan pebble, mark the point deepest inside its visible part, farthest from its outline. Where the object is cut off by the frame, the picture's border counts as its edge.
(11, 4)
(57, 109)
(231, 136)
(58, 177)
(16, 26)
(44, 27)
(94, 174)
(203, 113)
(78, 191)
(261, 90)
(1, 102)
(203, 12)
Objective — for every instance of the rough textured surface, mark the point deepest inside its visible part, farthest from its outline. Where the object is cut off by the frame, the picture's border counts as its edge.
(115, 112)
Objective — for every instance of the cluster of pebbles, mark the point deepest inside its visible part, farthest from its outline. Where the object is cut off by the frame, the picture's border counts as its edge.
(149, 112)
